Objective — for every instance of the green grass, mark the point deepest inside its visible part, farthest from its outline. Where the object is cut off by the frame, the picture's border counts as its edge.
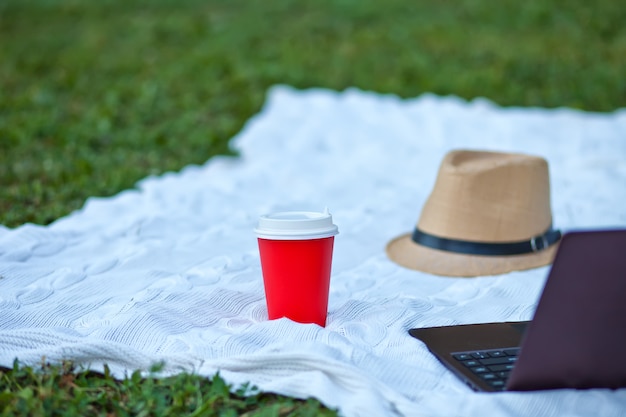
(95, 95)
(62, 390)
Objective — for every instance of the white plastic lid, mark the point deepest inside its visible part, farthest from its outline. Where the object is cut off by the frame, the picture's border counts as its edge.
(296, 225)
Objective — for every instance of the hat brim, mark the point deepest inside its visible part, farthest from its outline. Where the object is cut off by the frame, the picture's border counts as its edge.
(409, 254)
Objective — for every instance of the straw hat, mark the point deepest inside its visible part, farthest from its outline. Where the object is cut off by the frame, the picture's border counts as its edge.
(489, 213)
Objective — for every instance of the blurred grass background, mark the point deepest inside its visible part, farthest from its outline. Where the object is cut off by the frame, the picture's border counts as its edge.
(97, 95)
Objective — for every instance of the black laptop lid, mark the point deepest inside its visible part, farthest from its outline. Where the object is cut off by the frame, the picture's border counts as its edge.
(577, 338)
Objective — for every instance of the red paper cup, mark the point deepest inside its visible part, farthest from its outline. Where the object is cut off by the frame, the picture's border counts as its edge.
(296, 251)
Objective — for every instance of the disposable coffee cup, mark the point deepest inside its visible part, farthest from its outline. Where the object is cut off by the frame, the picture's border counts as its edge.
(296, 249)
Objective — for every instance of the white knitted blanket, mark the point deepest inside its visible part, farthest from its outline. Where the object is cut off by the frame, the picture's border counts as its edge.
(170, 271)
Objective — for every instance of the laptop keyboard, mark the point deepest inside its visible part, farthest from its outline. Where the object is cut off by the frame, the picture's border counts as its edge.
(492, 366)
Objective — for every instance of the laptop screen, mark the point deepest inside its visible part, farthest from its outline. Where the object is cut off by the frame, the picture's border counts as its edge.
(577, 337)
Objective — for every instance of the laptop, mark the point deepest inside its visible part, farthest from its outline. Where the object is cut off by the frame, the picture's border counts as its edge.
(576, 339)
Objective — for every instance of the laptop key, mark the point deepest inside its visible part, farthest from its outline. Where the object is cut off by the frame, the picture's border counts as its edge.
(480, 355)
(500, 368)
(497, 354)
(498, 383)
(503, 375)
(479, 369)
(511, 352)
(488, 376)
(461, 356)
(498, 361)
(471, 363)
